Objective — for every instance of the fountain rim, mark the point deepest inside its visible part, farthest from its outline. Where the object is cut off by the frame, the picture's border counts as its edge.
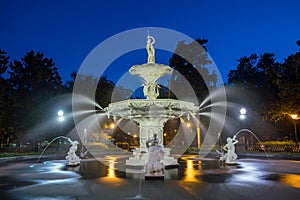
(155, 102)
(129, 105)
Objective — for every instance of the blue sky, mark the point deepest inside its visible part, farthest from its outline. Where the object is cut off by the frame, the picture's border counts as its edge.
(67, 30)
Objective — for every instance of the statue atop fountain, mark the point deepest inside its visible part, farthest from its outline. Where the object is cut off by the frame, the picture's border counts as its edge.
(72, 158)
(230, 156)
(154, 167)
(150, 71)
(150, 49)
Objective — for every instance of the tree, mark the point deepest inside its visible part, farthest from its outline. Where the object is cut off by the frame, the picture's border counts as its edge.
(287, 80)
(104, 92)
(34, 81)
(70, 83)
(246, 73)
(254, 77)
(253, 83)
(4, 93)
(188, 62)
(120, 93)
(97, 90)
(4, 59)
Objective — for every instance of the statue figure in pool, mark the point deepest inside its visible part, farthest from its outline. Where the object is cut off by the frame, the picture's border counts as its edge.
(154, 166)
(230, 155)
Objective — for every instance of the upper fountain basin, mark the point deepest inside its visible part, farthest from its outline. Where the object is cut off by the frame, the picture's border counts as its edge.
(150, 72)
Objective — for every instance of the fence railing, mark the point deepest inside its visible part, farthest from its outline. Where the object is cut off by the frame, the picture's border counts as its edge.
(270, 148)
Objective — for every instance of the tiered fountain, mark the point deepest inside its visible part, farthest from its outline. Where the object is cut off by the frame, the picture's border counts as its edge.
(151, 113)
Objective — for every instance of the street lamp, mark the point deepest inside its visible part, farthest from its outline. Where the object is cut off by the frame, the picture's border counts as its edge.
(188, 124)
(243, 112)
(295, 117)
(112, 126)
(61, 118)
(60, 115)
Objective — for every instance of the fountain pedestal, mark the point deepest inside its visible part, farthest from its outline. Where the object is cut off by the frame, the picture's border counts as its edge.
(151, 116)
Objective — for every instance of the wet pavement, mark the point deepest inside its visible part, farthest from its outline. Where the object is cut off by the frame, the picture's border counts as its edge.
(194, 179)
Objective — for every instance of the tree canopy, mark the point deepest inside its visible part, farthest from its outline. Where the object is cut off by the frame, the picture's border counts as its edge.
(189, 63)
(287, 80)
(269, 88)
(32, 91)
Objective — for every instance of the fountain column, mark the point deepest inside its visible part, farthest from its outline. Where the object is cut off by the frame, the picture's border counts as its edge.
(149, 127)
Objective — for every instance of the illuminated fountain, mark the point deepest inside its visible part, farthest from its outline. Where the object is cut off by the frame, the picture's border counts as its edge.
(71, 157)
(151, 113)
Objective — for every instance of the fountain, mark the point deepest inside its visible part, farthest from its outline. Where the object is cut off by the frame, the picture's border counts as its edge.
(230, 156)
(72, 158)
(151, 113)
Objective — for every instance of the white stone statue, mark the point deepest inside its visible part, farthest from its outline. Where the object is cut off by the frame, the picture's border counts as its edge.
(230, 155)
(154, 166)
(72, 158)
(151, 90)
(150, 49)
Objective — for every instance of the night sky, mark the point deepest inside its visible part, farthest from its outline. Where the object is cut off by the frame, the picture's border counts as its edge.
(67, 30)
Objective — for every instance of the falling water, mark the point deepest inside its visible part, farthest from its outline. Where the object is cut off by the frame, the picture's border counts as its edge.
(139, 195)
(49, 145)
(246, 130)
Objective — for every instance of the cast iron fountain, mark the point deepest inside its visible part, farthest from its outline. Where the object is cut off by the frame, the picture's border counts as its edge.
(151, 113)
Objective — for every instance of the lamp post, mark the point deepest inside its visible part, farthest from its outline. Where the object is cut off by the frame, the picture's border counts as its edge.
(60, 115)
(189, 125)
(198, 137)
(243, 112)
(295, 117)
(61, 118)
(112, 127)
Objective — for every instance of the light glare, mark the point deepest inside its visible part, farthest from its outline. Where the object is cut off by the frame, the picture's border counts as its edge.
(60, 113)
(243, 111)
(294, 116)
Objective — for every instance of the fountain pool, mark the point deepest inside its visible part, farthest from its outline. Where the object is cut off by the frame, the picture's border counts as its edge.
(194, 179)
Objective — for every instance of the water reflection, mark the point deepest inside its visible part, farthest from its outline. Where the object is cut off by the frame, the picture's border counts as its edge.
(192, 170)
(291, 180)
(111, 168)
(92, 169)
(288, 179)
